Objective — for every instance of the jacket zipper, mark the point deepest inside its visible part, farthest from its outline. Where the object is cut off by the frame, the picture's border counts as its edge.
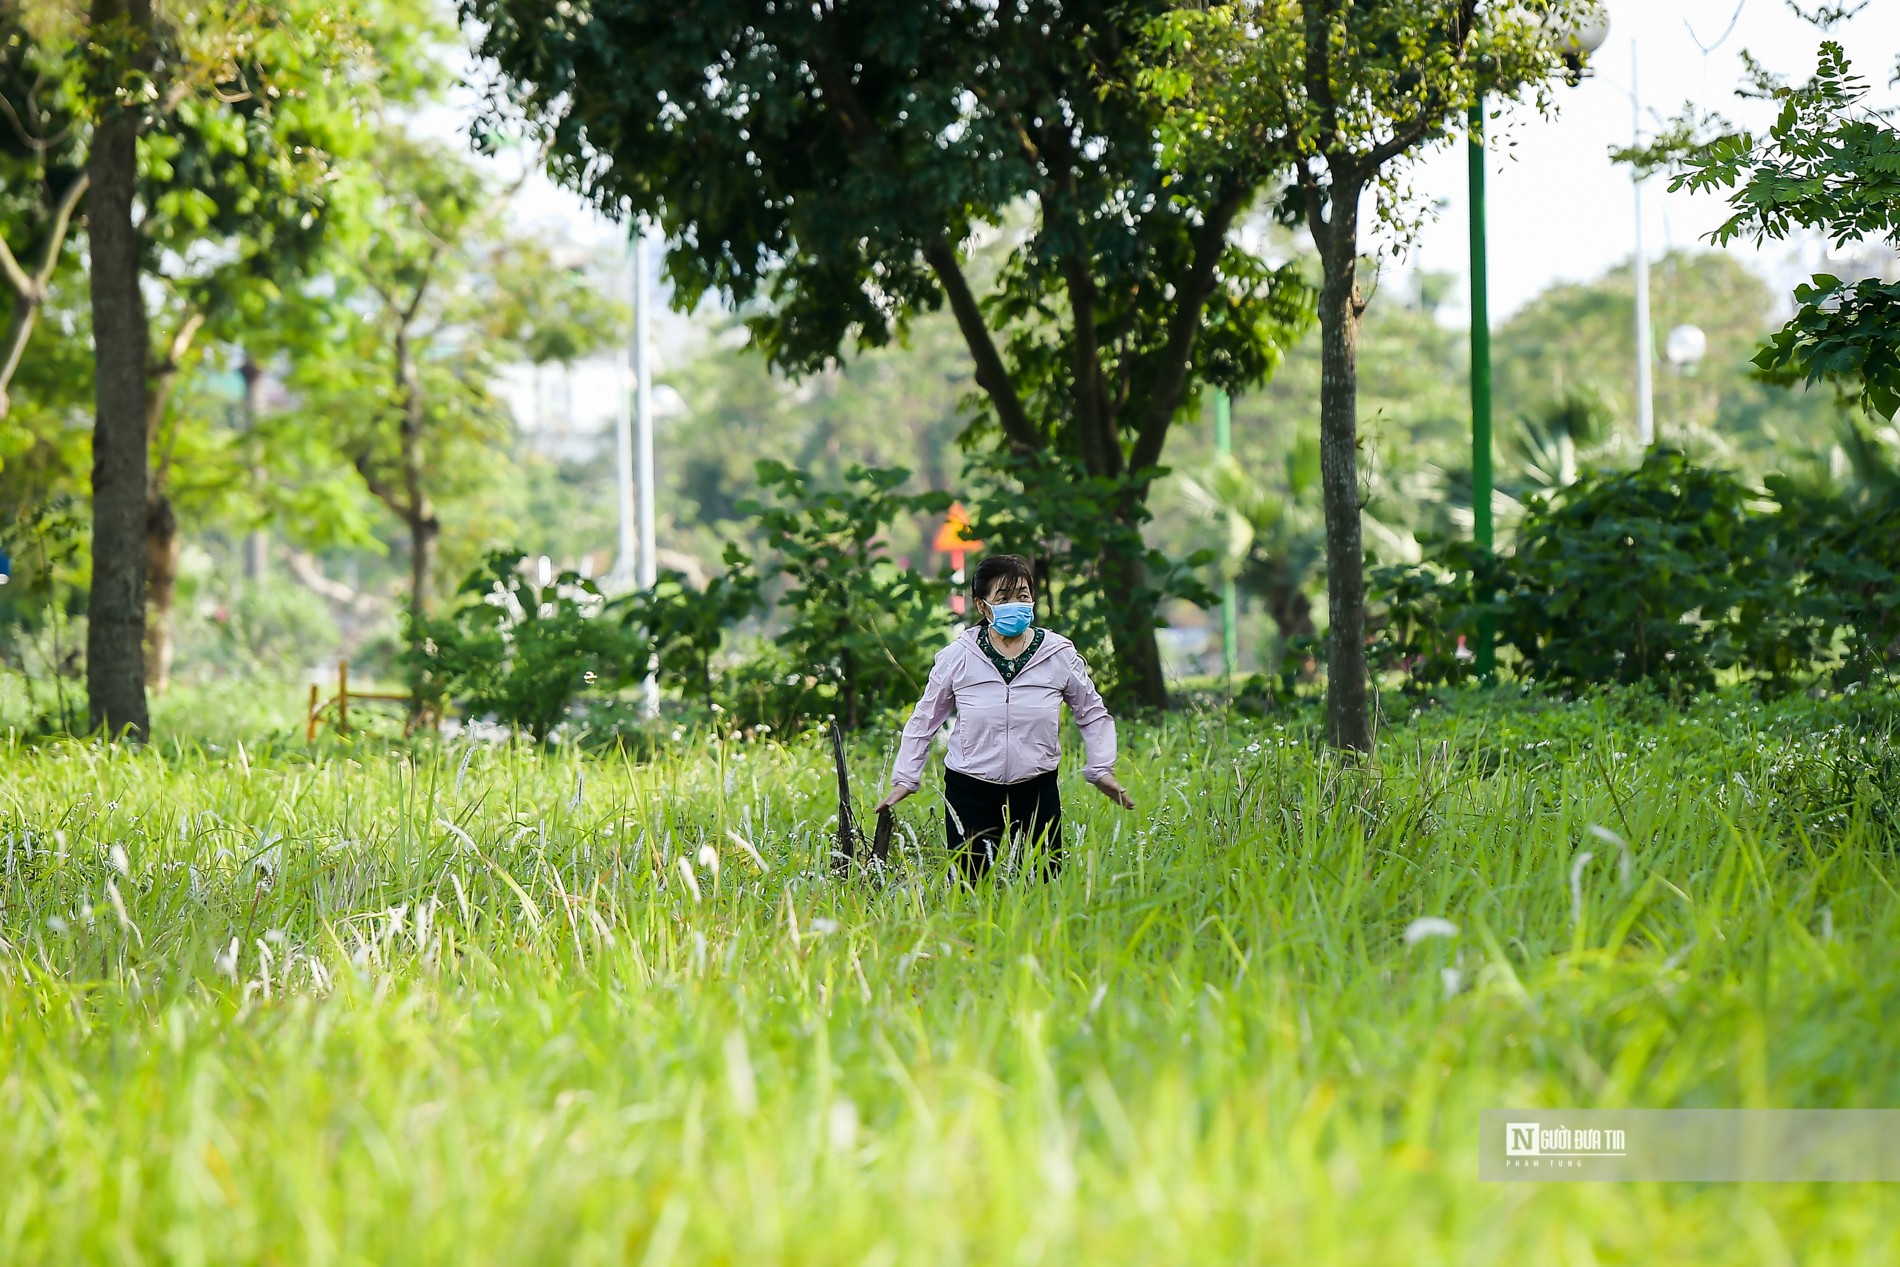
(1007, 738)
(1008, 695)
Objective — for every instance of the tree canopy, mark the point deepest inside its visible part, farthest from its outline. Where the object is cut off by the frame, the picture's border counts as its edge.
(829, 169)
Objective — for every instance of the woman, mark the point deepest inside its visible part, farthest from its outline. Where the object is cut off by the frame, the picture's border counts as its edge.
(1007, 681)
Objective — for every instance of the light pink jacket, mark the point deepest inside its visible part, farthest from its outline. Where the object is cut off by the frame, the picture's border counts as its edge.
(1006, 731)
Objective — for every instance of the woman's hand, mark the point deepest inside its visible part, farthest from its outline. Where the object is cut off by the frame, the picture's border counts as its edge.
(891, 798)
(1115, 792)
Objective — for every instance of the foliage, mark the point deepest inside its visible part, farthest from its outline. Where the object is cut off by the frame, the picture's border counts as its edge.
(45, 549)
(830, 178)
(519, 650)
(685, 626)
(1429, 614)
(42, 176)
(1656, 574)
(250, 629)
(1826, 164)
(1668, 574)
(1844, 537)
(864, 626)
(433, 296)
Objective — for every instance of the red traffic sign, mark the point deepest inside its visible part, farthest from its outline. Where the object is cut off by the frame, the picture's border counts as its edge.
(954, 536)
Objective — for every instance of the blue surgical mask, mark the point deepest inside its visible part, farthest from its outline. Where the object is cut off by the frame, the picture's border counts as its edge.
(1010, 619)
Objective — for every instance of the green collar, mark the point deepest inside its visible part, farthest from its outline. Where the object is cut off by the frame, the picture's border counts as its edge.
(1008, 666)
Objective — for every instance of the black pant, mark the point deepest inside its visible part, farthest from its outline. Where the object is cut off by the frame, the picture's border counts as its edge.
(976, 814)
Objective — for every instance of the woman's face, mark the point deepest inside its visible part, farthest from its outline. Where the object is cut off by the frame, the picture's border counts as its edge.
(1008, 589)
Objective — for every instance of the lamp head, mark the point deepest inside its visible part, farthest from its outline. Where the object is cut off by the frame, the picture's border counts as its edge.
(1685, 345)
(1584, 36)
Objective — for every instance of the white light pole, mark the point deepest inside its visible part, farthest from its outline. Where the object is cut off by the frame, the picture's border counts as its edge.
(621, 576)
(643, 435)
(1645, 353)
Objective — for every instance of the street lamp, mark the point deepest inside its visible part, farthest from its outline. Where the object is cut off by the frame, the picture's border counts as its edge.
(1685, 346)
(1584, 37)
(1574, 46)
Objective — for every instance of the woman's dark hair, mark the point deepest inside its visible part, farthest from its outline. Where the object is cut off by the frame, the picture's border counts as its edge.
(999, 567)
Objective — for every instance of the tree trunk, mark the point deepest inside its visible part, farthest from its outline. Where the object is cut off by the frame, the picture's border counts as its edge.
(1348, 720)
(256, 543)
(115, 631)
(1131, 628)
(161, 586)
(424, 529)
(161, 522)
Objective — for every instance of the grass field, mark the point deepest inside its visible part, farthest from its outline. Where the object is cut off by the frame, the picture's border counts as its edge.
(483, 1005)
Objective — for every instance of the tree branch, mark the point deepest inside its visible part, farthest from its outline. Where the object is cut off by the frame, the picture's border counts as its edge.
(991, 374)
(1319, 69)
(379, 489)
(158, 398)
(1184, 327)
(17, 277)
(309, 575)
(1430, 120)
(56, 232)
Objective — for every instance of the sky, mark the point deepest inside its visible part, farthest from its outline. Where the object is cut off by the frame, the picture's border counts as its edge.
(1559, 209)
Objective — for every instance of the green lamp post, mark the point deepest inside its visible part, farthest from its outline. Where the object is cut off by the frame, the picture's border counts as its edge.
(1481, 474)
(1575, 46)
(1229, 634)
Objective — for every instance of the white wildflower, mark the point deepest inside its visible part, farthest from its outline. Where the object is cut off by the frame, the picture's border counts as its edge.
(1427, 926)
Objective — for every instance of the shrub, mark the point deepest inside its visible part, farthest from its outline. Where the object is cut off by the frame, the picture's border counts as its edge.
(519, 651)
(685, 626)
(863, 627)
(1665, 574)
(1656, 574)
(1848, 552)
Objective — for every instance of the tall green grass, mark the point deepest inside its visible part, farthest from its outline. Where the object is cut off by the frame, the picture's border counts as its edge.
(460, 1004)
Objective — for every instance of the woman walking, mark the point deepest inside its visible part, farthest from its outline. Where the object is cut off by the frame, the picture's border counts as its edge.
(1007, 681)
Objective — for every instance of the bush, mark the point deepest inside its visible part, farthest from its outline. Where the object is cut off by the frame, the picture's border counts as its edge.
(46, 548)
(1660, 574)
(685, 626)
(865, 629)
(1664, 575)
(518, 651)
(255, 629)
(1848, 555)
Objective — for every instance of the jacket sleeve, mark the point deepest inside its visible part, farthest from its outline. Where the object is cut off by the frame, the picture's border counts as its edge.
(938, 699)
(1092, 718)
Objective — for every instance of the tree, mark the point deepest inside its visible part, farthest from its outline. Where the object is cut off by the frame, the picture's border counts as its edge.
(43, 177)
(238, 190)
(431, 297)
(1348, 91)
(187, 97)
(829, 167)
(1826, 164)
(123, 38)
